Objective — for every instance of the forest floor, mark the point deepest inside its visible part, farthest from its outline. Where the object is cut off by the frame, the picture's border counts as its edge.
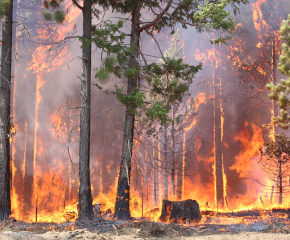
(101, 229)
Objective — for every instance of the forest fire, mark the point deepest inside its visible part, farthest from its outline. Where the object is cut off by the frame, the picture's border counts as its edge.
(210, 154)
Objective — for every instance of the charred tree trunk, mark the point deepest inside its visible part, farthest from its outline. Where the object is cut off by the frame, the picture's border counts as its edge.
(5, 87)
(156, 172)
(272, 193)
(280, 182)
(180, 211)
(85, 208)
(165, 164)
(122, 210)
(218, 143)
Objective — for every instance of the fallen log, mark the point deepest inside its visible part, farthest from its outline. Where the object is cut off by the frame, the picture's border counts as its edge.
(248, 213)
(180, 211)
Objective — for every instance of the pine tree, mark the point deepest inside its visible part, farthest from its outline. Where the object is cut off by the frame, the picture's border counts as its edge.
(275, 162)
(280, 91)
(4, 6)
(85, 208)
(5, 90)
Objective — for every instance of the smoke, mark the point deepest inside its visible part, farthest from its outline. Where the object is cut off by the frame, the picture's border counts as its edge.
(47, 92)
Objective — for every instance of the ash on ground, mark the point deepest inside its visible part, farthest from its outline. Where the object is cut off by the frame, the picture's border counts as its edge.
(102, 228)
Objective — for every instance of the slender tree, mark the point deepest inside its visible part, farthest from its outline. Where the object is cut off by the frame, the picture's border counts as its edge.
(85, 195)
(279, 92)
(5, 89)
(85, 209)
(275, 162)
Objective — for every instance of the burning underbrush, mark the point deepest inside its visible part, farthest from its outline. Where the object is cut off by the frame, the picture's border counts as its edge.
(105, 227)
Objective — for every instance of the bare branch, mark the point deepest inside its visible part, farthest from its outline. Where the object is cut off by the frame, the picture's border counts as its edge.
(158, 17)
(77, 4)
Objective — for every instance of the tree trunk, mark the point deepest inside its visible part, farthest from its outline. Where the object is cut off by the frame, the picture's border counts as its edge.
(180, 169)
(180, 211)
(218, 143)
(156, 172)
(280, 182)
(274, 72)
(85, 208)
(69, 169)
(28, 161)
(272, 193)
(165, 164)
(5, 85)
(122, 210)
(173, 155)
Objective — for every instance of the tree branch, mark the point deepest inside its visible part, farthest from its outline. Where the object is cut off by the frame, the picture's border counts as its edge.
(63, 40)
(156, 19)
(77, 4)
(149, 33)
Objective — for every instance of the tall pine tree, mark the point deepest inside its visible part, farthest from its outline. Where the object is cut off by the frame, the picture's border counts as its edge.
(5, 90)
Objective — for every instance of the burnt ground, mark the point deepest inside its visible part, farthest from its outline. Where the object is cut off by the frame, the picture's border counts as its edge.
(210, 228)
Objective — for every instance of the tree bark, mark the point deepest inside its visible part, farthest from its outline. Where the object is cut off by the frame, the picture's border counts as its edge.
(180, 211)
(280, 182)
(218, 144)
(156, 172)
(165, 164)
(180, 169)
(5, 85)
(85, 208)
(274, 73)
(173, 154)
(122, 210)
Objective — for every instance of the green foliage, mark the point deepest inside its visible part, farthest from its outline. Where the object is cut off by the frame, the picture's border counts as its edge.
(47, 15)
(4, 5)
(53, 4)
(167, 80)
(55, 13)
(59, 16)
(277, 148)
(157, 111)
(103, 75)
(135, 100)
(186, 12)
(108, 36)
(172, 70)
(281, 91)
(187, 2)
(212, 17)
(220, 40)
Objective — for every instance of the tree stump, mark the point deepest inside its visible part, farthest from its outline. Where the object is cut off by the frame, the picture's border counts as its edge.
(97, 209)
(180, 211)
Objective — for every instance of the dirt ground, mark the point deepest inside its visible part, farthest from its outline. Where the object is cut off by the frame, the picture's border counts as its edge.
(103, 230)
(85, 234)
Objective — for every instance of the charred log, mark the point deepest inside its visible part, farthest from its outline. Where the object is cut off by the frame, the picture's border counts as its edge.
(180, 211)
(249, 213)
